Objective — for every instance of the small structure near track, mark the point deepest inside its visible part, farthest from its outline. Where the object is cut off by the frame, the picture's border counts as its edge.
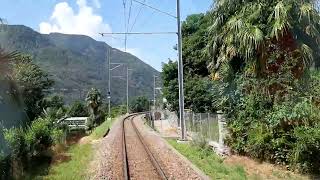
(74, 123)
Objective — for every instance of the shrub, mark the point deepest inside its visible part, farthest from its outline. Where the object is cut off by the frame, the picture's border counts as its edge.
(139, 104)
(305, 154)
(118, 110)
(58, 135)
(16, 142)
(78, 109)
(38, 136)
(275, 119)
(34, 139)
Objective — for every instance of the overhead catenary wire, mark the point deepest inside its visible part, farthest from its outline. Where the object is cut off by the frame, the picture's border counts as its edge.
(129, 16)
(125, 24)
(135, 19)
(138, 33)
(156, 9)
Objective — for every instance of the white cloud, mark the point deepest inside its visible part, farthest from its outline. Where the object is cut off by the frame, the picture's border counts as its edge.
(65, 20)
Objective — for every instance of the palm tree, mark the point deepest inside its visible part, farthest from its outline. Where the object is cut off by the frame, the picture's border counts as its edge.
(251, 32)
(93, 102)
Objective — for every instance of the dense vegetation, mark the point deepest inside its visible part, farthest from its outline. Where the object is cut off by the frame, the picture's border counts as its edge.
(260, 58)
(139, 104)
(30, 115)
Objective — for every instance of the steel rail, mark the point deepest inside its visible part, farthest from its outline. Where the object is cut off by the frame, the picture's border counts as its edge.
(154, 162)
(156, 165)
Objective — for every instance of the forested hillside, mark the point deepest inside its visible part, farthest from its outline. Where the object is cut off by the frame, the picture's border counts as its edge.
(78, 62)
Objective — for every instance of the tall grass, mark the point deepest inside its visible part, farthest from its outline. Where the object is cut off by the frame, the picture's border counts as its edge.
(211, 164)
(76, 167)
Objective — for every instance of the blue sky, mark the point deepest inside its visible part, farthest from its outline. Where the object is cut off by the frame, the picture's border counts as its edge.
(90, 17)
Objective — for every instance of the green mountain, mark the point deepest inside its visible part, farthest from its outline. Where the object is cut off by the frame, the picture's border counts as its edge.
(78, 62)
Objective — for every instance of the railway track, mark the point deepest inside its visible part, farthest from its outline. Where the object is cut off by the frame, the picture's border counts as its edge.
(138, 160)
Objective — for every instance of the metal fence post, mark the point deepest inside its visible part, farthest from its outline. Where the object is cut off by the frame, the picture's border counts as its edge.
(209, 129)
(201, 129)
(192, 121)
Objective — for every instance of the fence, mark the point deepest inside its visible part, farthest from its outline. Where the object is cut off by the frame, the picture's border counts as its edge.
(210, 126)
(204, 124)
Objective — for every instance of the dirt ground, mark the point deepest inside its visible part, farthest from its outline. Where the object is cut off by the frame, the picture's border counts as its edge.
(257, 170)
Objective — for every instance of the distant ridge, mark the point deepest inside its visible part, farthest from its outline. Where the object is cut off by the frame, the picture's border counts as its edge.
(78, 62)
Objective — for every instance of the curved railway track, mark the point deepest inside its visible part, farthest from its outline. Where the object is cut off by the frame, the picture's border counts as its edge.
(138, 160)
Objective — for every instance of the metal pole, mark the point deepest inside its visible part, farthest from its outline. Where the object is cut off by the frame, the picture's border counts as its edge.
(109, 83)
(127, 89)
(180, 74)
(154, 91)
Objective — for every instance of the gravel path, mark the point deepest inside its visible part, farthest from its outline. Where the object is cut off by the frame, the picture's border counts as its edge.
(108, 156)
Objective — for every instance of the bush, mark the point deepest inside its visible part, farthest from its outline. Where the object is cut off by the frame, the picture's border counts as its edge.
(33, 140)
(118, 110)
(39, 136)
(78, 109)
(16, 142)
(305, 154)
(275, 119)
(139, 104)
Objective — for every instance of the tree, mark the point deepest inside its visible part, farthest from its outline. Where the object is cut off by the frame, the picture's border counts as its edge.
(32, 81)
(200, 92)
(169, 77)
(94, 102)
(78, 109)
(53, 107)
(256, 36)
(194, 42)
(140, 104)
(53, 101)
(25, 82)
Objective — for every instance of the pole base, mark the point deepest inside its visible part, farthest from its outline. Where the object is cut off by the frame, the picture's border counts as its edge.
(183, 141)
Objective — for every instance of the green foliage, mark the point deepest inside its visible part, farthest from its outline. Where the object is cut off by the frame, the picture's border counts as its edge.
(200, 95)
(140, 104)
(32, 140)
(306, 151)
(38, 136)
(94, 100)
(32, 81)
(94, 103)
(200, 92)
(76, 168)
(198, 89)
(209, 162)
(54, 107)
(271, 130)
(78, 109)
(169, 77)
(118, 110)
(16, 141)
(250, 31)
(100, 131)
(53, 101)
(194, 42)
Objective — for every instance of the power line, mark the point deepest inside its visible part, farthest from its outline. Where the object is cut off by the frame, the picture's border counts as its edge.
(125, 24)
(138, 33)
(129, 17)
(135, 19)
(163, 12)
